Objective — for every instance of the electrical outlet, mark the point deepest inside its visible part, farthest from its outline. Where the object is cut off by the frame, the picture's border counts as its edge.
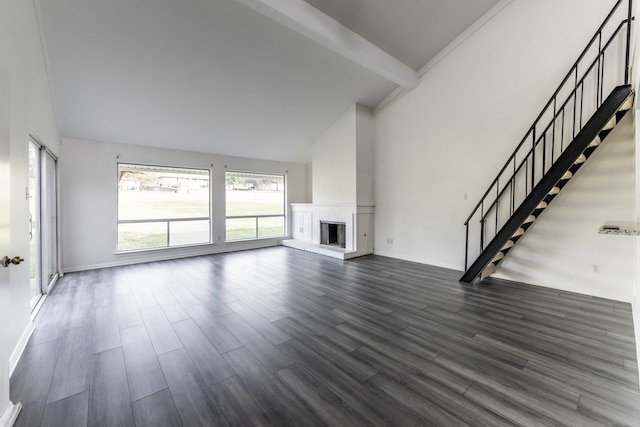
(390, 240)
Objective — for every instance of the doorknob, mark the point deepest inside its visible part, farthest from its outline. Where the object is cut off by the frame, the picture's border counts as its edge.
(6, 261)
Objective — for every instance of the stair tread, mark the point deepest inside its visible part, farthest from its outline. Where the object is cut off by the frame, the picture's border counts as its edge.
(488, 271)
(610, 124)
(596, 141)
(554, 191)
(518, 233)
(628, 103)
(508, 245)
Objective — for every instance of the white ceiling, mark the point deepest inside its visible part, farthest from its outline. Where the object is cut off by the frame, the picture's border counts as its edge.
(220, 77)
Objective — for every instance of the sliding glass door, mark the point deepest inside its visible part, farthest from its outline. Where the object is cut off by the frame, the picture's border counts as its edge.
(43, 199)
(35, 264)
(49, 216)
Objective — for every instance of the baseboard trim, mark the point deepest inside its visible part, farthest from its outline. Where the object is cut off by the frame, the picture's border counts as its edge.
(20, 347)
(418, 260)
(36, 309)
(10, 414)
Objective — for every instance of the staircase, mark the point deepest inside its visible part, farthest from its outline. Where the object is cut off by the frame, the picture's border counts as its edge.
(571, 126)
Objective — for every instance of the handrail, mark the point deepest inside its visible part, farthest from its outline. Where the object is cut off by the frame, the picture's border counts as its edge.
(578, 95)
(555, 94)
(572, 94)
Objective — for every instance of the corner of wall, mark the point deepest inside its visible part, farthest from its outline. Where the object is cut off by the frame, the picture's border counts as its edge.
(365, 141)
(309, 195)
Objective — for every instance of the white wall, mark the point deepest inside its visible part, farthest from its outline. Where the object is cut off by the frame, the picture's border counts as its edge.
(365, 138)
(343, 160)
(334, 161)
(21, 58)
(88, 176)
(450, 136)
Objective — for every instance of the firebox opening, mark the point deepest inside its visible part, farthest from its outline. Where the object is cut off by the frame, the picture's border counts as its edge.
(332, 233)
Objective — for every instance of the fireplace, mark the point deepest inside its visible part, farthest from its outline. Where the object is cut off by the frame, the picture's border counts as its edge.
(339, 231)
(332, 233)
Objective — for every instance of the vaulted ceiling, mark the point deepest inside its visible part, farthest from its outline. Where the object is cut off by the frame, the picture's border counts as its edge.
(250, 78)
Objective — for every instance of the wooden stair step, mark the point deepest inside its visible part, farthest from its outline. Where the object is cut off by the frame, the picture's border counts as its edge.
(508, 245)
(497, 258)
(580, 159)
(567, 175)
(554, 191)
(610, 124)
(488, 271)
(529, 219)
(627, 104)
(596, 141)
(518, 233)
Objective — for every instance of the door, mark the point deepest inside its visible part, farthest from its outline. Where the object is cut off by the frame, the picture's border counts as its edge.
(7, 410)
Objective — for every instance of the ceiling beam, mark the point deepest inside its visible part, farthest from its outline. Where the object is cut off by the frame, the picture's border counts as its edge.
(310, 22)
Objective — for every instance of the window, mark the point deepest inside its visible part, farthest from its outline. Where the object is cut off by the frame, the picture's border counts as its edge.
(254, 205)
(161, 206)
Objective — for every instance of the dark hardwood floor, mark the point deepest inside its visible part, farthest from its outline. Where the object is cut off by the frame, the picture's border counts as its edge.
(282, 337)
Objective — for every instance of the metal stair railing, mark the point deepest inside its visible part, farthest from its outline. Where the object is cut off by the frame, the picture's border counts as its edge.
(596, 72)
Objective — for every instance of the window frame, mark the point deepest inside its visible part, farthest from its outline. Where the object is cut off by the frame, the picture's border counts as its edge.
(168, 221)
(257, 217)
